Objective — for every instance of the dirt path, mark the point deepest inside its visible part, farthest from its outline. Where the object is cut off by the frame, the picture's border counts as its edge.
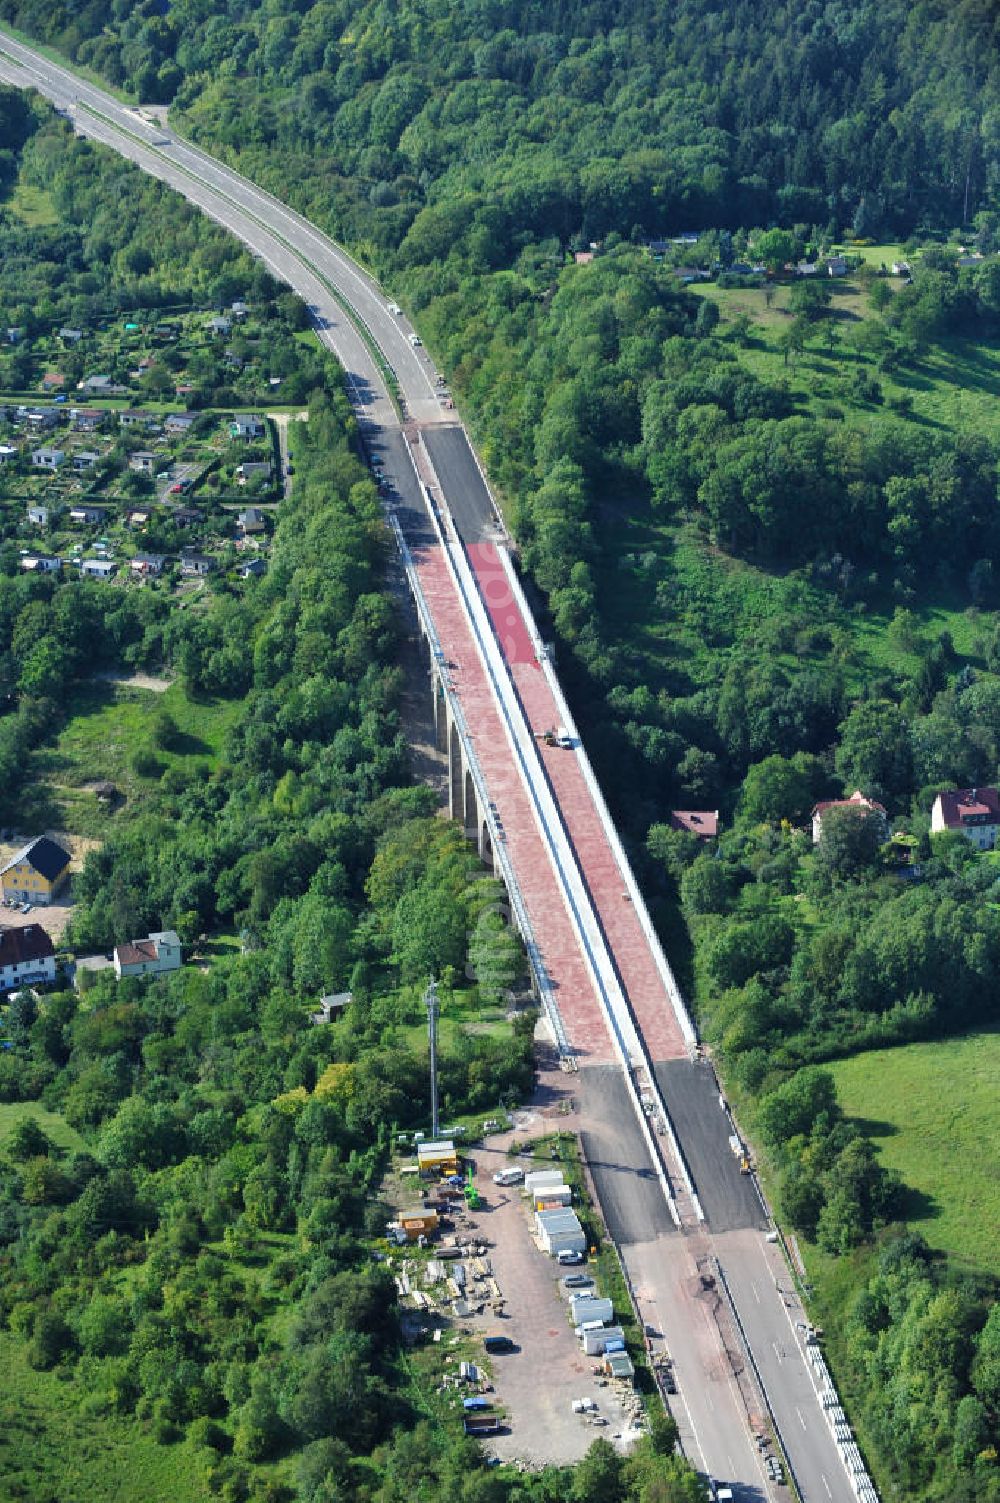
(135, 680)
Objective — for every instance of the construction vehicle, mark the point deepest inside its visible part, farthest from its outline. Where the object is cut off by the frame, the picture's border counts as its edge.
(473, 1199)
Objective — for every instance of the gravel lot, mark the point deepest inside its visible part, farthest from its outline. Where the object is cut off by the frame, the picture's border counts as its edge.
(538, 1382)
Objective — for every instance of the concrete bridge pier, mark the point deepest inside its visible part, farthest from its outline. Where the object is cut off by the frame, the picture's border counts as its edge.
(463, 800)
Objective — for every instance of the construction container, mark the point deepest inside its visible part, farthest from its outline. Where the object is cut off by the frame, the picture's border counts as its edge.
(597, 1342)
(587, 1307)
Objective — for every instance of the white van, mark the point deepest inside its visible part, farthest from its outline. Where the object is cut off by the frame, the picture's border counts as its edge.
(509, 1177)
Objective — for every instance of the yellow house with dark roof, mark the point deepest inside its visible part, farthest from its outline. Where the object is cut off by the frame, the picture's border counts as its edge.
(35, 873)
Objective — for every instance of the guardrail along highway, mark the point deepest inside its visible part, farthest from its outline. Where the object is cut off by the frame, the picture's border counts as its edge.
(691, 1228)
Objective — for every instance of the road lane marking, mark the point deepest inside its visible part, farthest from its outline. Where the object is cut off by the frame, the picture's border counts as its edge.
(826, 1485)
(756, 1291)
(798, 1411)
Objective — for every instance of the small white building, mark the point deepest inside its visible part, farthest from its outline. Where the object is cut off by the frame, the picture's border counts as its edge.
(974, 812)
(8, 453)
(47, 459)
(584, 1308)
(98, 568)
(41, 563)
(38, 516)
(247, 425)
(597, 1341)
(148, 957)
(539, 1177)
(560, 1231)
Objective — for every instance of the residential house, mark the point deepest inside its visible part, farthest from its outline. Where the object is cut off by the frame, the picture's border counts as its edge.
(83, 515)
(331, 1006)
(38, 516)
(247, 425)
(184, 389)
(975, 812)
(53, 381)
(688, 274)
(41, 419)
(47, 459)
(143, 462)
(87, 419)
(101, 386)
(806, 268)
(85, 459)
(836, 266)
(138, 516)
(8, 452)
(583, 258)
(197, 564)
(146, 565)
(134, 417)
(900, 268)
(186, 516)
(40, 563)
(148, 957)
(179, 422)
(71, 336)
(701, 822)
(98, 568)
(14, 336)
(239, 309)
(253, 469)
(857, 801)
(658, 249)
(232, 359)
(220, 325)
(36, 872)
(253, 568)
(251, 521)
(26, 957)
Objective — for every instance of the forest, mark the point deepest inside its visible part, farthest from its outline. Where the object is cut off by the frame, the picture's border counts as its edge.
(766, 539)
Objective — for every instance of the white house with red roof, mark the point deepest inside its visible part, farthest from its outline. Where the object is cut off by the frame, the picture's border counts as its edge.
(975, 812)
(858, 801)
(26, 957)
(148, 957)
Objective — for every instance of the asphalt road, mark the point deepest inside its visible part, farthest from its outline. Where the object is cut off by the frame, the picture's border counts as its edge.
(627, 1188)
(729, 1198)
(462, 482)
(300, 255)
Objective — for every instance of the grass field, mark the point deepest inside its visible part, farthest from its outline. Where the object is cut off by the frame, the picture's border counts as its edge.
(33, 206)
(954, 386)
(54, 1445)
(932, 1113)
(54, 1126)
(108, 724)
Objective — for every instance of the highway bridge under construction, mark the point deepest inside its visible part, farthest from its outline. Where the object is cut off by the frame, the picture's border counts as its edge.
(694, 1234)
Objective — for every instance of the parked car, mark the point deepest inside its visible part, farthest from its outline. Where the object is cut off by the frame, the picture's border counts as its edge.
(577, 1281)
(566, 1257)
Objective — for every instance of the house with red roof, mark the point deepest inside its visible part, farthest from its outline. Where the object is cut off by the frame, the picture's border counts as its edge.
(26, 957)
(858, 801)
(701, 822)
(974, 812)
(148, 957)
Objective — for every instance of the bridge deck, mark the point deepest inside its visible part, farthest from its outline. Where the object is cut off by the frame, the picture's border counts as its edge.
(651, 1007)
(576, 998)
